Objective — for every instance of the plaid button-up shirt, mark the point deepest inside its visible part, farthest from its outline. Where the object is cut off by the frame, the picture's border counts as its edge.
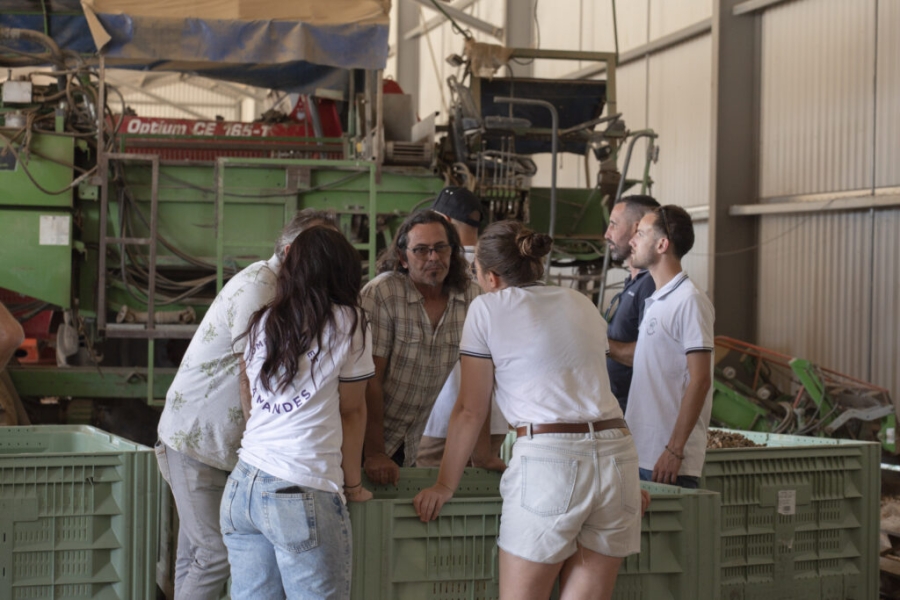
(419, 357)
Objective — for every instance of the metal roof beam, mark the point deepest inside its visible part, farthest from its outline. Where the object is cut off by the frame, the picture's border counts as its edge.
(436, 21)
(466, 18)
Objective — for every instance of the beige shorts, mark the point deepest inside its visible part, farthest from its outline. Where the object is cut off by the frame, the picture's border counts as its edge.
(565, 489)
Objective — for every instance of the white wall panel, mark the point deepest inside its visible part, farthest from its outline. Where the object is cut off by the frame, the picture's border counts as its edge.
(631, 81)
(679, 111)
(632, 17)
(815, 278)
(668, 16)
(817, 113)
(886, 302)
(560, 29)
(597, 33)
(631, 91)
(887, 108)
(696, 262)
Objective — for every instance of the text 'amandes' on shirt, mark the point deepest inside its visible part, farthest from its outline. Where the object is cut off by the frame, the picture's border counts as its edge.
(296, 433)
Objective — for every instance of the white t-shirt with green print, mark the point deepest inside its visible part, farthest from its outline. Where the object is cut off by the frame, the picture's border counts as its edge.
(202, 417)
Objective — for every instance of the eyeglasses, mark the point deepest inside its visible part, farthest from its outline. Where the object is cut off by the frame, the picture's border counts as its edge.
(442, 250)
(665, 221)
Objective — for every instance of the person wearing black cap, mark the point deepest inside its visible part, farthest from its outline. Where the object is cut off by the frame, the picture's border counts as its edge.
(463, 209)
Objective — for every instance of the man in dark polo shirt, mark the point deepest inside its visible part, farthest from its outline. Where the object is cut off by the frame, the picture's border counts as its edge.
(627, 307)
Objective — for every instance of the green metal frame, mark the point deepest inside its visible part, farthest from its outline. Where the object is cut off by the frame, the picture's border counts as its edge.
(733, 409)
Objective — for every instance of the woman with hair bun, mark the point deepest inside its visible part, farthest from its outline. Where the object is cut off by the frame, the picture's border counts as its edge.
(571, 499)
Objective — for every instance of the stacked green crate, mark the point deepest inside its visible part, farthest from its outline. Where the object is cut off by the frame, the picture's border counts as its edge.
(78, 514)
(397, 557)
(800, 517)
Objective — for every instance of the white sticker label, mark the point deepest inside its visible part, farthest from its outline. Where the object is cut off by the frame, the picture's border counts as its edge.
(54, 230)
(891, 435)
(787, 502)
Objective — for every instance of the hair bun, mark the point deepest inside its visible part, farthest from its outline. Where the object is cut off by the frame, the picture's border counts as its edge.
(533, 245)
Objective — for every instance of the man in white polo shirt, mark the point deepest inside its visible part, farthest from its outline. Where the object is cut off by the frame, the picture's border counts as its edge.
(671, 392)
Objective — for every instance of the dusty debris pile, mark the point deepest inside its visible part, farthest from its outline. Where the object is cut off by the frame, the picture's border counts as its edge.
(722, 439)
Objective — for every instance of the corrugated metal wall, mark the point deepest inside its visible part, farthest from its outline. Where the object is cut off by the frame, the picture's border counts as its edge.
(668, 16)
(830, 122)
(886, 301)
(817, 108)
(815, 290)
(679, 108)
(887, 107)
(696, 262)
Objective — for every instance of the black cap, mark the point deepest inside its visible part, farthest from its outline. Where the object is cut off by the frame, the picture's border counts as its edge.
(458, 203)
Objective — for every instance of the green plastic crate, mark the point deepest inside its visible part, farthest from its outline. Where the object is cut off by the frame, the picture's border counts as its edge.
(800, 518)
(680, 554)
(78, 514)
(397, 557)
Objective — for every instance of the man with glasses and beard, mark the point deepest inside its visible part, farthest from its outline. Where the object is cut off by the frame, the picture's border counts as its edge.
(416, 308)
(626, 309)
(671, 393)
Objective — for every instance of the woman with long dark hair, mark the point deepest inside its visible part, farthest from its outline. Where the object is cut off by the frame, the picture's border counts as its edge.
(284, 514)
(571, 497)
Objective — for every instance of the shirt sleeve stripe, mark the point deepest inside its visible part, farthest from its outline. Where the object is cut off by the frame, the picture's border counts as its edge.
(474, 354)
(699, 349)
(358, 378)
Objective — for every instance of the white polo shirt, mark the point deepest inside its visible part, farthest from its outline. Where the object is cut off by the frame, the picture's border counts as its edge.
(548, 345)
(296, 433)
(678, 320)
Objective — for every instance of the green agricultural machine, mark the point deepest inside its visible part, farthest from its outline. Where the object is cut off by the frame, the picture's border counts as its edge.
(757, 389)
(117, 230)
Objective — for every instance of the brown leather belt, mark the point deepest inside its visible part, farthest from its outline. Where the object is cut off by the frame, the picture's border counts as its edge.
(572, 427)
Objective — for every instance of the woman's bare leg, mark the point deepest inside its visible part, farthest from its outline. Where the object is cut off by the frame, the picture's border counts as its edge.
(587, 575)
(522, 579)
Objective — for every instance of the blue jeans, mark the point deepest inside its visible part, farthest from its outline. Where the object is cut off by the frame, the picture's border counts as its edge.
(284, 540)
(685, 481)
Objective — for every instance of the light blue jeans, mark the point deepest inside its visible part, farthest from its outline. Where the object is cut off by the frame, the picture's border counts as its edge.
(284, 541)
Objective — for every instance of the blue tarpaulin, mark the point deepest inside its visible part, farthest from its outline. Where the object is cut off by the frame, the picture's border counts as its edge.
(285, 53)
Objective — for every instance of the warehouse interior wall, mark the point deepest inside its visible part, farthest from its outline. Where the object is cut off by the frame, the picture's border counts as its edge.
(830, 130)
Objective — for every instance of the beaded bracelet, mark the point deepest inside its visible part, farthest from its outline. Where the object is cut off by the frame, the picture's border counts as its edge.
(673, 453)
(352, 487)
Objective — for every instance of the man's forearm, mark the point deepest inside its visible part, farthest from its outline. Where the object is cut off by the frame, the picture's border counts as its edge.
(622, 352)
(374, 440)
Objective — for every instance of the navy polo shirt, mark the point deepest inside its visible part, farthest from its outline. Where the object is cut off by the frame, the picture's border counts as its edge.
(623, 327)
